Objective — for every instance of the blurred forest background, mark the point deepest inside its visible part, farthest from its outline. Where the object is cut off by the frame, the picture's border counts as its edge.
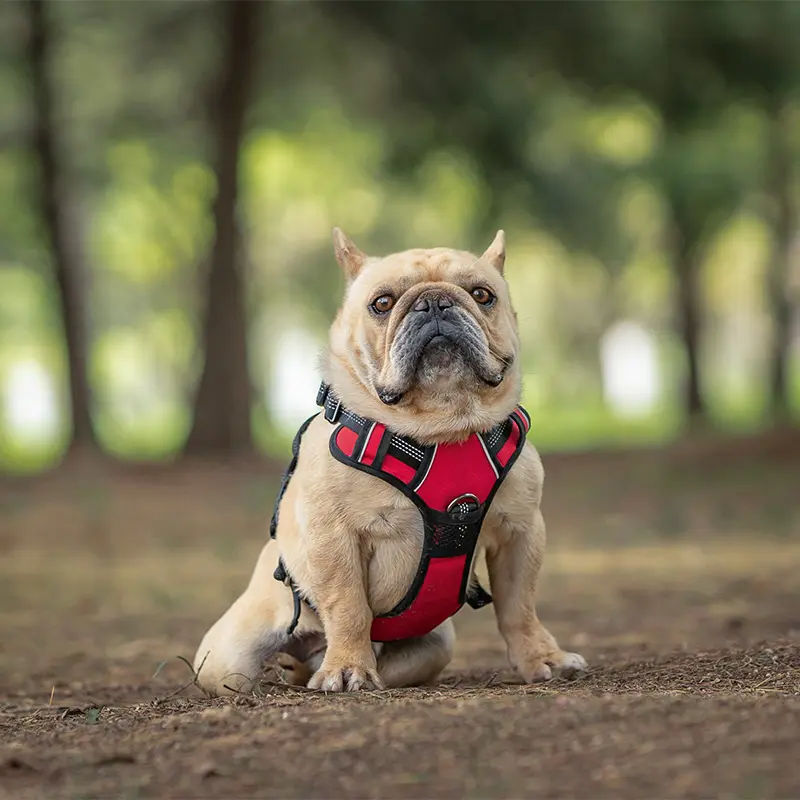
(170, 173)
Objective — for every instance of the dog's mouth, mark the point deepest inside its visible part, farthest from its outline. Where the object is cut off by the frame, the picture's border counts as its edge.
(437, 340)
(441, 354)
(442, 348)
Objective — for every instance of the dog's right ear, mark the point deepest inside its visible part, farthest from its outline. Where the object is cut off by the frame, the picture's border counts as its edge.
(350, 258)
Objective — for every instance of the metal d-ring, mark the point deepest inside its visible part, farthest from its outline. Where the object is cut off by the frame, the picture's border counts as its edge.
(464, 498)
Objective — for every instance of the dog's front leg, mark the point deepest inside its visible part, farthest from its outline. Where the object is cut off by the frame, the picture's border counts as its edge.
(514, 558)
(338, 587)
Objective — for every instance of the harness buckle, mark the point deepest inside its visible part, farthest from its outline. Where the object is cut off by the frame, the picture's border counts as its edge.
(465, 509)
(332, 412)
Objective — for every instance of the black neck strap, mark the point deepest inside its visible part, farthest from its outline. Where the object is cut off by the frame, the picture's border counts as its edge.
(333, 410)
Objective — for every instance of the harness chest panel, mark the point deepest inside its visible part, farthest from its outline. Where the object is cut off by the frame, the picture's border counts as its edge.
(452, 485)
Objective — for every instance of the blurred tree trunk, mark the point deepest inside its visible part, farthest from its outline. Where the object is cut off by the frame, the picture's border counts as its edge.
(780, 179)
(689, 320)
(222, 403)
(53, 205)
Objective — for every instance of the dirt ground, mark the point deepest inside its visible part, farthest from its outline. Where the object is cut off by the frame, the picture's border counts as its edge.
(675, 574)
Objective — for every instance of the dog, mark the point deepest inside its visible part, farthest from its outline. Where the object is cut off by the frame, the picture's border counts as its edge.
(367, 565)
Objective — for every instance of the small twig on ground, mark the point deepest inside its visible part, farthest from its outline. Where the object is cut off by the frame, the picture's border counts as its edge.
(192, 682)
(491, 680)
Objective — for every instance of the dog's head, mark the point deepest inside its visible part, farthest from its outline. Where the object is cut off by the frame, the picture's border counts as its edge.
(426, 340)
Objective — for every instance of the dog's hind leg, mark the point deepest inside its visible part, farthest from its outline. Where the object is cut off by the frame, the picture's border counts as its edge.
(300, 658)
(417, 661)
(232, 654)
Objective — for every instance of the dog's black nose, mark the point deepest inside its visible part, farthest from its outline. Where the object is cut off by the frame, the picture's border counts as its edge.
(433, 303)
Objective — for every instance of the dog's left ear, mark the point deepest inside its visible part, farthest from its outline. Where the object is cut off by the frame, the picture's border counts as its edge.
(496, 253)
(350, 258)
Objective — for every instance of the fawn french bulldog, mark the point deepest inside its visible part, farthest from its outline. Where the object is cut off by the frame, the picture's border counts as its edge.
(417, 463)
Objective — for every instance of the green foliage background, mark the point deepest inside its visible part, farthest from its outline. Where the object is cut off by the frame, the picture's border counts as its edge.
(581, 129)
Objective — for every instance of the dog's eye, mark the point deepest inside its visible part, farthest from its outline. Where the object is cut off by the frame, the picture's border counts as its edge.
(383, 304)
(482, 296)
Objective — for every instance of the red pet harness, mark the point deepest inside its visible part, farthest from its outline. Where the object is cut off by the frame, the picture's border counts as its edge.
(452, 485)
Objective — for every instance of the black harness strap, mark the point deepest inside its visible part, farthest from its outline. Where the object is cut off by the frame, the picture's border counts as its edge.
(283, 576)
(287, 474)
(280, 573)
(477, 596)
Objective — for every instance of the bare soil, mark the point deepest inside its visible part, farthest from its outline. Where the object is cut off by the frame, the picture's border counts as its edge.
(676, 574)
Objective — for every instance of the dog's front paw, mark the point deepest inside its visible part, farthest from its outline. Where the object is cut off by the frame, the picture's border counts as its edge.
(345, 678)
(558, 664)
